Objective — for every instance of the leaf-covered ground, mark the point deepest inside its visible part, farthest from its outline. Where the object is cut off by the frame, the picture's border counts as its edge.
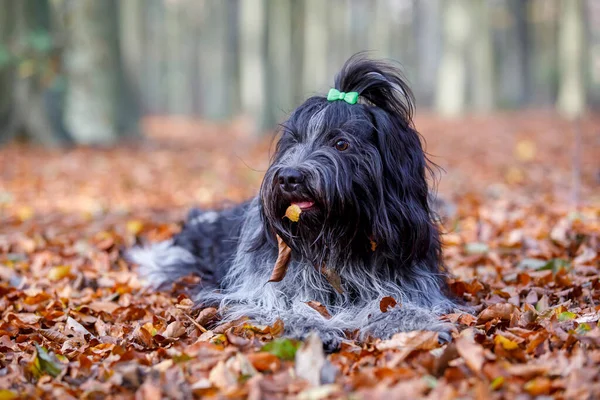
(76, 322)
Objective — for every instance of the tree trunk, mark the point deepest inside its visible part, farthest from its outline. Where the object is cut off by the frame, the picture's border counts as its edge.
(280, 56)
(315, 47)
(428, 35)
(483, 58)
(452, 74)
(252, 68)
(99, 109)
(35, 110)
(571, 93)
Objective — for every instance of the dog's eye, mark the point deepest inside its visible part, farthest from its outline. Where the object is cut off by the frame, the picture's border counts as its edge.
(341, 145)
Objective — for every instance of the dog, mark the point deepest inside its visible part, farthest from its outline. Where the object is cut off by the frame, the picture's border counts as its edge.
(353, 165)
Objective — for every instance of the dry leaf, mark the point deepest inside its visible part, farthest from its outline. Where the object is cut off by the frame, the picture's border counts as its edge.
(282, 262)
(293, 212)
(320, 308)
(264, 361)
(333, 278)
(310, 360)
(174, 330)
(471, 352)
(502, 311)
(386, 303)
(59, 272)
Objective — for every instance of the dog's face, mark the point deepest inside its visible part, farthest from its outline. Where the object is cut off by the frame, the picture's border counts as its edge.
(328, 163)
(358, 173)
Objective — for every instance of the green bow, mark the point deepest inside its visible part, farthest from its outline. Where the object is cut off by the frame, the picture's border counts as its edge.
(350, 97)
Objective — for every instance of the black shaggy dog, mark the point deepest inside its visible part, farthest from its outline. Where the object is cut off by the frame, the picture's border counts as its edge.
(357, 171)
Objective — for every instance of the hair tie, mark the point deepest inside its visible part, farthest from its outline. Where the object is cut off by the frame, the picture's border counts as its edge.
(350, 97)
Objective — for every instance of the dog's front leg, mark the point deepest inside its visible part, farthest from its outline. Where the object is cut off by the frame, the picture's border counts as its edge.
(406, 318)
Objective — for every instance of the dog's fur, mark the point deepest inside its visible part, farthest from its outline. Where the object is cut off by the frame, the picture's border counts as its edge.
(375, 190)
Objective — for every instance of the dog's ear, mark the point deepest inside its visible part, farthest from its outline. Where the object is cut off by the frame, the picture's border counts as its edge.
(402, 226)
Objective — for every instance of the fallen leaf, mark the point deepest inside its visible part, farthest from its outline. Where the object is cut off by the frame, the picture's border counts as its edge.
(310, 360)
(282, 262)
(471, 352)
(54, 336)
(538, 386)
(320, 308)
(103, 306)
(174, 330)
(386, 303)
(44, 363)
(497, 383)
(8, 394)
(222, 377)
(333, 278)
(264, 361)
(502, 311)
(57, 273)
(507, 344)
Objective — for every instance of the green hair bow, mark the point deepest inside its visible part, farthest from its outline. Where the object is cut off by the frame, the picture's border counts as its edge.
(350, 97)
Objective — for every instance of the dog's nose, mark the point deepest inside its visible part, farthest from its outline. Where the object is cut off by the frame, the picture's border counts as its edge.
(290, 179)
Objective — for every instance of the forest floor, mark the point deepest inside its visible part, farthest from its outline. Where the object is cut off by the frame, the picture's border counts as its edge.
(76, 321)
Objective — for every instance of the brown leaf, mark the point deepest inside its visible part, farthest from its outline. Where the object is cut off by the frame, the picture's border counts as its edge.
(333, 278)
(142, 336)
(320, 308)
(502, 311)
(538, 386)
(206, 315)
(174, 330)
(407, 342)
(471, 352)
(386, 303)
(283, 259)
(53, 336)
(103, 306)
(221, 376)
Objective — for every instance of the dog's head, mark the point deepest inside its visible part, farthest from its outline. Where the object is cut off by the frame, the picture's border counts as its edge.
(357, 171)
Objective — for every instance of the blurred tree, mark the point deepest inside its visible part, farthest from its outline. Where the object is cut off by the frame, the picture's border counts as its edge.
(99, 106)
(280, 60)
(452, 75)
(482, 58)
(252, 61)
(32, 88)
(428, 34)
(314, 69)
(571, 94)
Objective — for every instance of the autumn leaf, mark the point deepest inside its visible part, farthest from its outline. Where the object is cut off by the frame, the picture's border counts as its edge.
(386, 303)
(471, 352)
(507, 344)
(320, 308)
(310, 360)
(57, 273)
(293, 212)
(282, 262)
(44, 363)
(502, 311)
(8, 395)
(264, 361)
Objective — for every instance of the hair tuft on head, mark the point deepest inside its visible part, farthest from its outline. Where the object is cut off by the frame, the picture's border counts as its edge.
(378, 82)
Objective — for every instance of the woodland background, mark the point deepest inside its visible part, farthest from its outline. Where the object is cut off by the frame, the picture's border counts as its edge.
(85, 71)
(116, 117)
